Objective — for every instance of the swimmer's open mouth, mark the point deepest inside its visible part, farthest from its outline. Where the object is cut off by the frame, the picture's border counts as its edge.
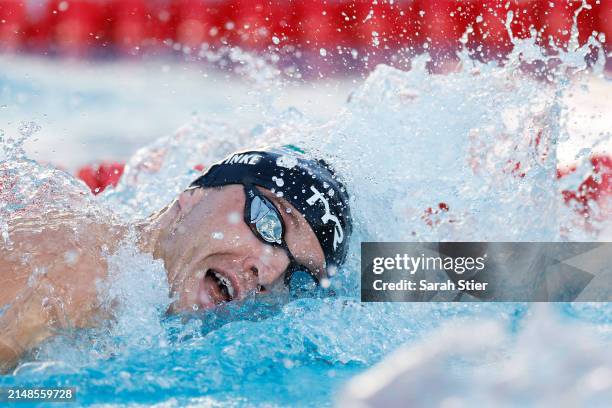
(220, 287)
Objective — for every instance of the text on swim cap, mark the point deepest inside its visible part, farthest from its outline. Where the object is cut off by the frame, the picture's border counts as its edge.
(328, 216)
(243, 158)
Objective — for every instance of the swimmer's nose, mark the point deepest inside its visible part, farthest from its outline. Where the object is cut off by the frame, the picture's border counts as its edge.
(257, 273)
(252, 269)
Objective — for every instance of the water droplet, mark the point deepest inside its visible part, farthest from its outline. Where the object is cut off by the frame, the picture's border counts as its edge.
(323, 52)
(331, 270)
(234, 218)
(375, 40)
(279, 181)
(71, 257)
(27, 129)
(275, 40)
(5, 235)
(287, 162)
(217, 235)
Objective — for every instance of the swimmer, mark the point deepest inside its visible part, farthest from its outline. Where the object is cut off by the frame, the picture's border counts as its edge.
(256, 221)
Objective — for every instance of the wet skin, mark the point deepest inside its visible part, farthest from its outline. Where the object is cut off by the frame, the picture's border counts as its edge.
(210, 254)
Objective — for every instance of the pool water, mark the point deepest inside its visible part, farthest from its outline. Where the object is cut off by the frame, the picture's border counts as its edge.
(406, 141)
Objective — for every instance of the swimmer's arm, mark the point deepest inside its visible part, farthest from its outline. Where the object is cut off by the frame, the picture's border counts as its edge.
(10, 353)
(22, 327)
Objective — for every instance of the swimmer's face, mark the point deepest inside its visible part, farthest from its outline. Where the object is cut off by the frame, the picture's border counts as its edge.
(212, 256)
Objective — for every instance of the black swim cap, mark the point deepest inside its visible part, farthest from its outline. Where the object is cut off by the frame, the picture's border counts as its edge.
(309, 185)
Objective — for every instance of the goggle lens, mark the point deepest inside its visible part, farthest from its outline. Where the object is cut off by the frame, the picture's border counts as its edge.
(270, 228)
(266, 220)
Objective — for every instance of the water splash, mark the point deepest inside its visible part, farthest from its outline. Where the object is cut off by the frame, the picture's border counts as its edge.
(469, 155)
(493, 368)
(138, 293)
(157, 173)
(12, 147)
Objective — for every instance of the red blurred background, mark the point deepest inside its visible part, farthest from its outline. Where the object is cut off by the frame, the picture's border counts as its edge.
(351, 35)
(133, 27)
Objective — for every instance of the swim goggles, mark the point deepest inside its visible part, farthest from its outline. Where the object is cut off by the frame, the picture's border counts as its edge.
(264, 219)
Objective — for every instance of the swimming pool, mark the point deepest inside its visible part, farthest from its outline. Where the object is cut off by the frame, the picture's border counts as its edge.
(407, 142)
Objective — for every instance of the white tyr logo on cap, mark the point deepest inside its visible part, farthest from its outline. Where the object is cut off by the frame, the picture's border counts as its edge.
(328, 216)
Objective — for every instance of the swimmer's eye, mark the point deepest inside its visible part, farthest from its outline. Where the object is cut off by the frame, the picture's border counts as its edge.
(264, 219)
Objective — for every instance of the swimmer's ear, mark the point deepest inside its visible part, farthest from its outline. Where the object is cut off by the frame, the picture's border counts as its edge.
(189, 198)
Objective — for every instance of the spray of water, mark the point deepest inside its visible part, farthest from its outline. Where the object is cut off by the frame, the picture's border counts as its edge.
(466, 156)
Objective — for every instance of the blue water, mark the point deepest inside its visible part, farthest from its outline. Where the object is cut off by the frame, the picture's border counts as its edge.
(299, 356)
